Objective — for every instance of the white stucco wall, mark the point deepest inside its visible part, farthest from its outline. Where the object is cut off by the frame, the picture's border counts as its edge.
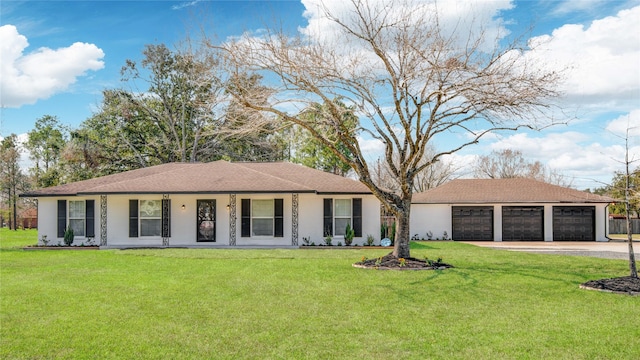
(48, 220)
(183, 221)
(311, 218)
(437, 219)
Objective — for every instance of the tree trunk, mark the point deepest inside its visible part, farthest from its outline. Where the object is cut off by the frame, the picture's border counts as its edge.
(632, 257)
(403, 233)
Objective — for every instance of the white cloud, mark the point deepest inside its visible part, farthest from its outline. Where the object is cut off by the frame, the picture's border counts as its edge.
(26, 78)
(602, 59)
(371, 148)
(573, 154)
(630, 121)
(461, 17)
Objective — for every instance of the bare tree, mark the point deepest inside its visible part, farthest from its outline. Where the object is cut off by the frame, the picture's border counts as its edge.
(410, 79)
(510, 163)
(629, 194)
(434, 175)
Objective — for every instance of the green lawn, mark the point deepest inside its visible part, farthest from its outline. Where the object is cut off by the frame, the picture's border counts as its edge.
(310, 303)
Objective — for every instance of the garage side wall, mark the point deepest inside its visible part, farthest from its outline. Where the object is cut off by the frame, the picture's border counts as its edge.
(434, 218)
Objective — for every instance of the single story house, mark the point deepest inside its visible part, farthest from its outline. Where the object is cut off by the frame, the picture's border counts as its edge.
(516, 209)
(216, 204)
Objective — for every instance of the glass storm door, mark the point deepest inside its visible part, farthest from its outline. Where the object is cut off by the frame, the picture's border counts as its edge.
(206, 220)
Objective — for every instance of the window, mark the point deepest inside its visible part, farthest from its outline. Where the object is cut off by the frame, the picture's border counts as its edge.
(340, 212)
(150, 218)
(342, 216)
(77, 217)
(262, 218)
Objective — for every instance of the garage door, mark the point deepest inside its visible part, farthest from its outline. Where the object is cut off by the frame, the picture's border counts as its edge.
(472, 223)
(522, 223)
(574, 223)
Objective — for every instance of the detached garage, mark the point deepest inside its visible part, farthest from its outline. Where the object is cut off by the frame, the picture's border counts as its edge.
(509, 210)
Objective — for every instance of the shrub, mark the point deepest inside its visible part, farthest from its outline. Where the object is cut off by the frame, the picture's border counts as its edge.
(68, 236)
(370, 240)
(348, 235)
(327, 240)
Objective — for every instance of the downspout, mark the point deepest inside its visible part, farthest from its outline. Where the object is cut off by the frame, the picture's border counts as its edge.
(606, 222)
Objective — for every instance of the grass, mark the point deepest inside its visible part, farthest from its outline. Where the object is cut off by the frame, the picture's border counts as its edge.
(292, 304)
(624, 237)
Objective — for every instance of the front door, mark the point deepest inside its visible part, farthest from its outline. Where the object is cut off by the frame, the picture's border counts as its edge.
(206, 220)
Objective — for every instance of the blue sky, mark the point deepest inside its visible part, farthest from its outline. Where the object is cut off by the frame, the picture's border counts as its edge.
(76, 49)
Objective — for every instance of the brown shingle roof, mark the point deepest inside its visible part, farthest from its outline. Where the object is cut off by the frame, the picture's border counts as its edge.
(518, 190)
(214, 177)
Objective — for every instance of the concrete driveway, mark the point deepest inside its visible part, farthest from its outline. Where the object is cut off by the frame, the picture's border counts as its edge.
(609, 250)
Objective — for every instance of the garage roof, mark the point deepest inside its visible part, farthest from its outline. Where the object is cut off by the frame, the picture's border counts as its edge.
(214, 177)
(516, 190)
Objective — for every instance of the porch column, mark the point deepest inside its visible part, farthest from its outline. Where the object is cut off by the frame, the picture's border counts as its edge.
(166, 221)
(103, 220)
(294, 219)
(232, 219)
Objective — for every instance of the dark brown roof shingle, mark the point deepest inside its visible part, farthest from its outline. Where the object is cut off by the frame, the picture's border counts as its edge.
(214, 177)
(516, 190)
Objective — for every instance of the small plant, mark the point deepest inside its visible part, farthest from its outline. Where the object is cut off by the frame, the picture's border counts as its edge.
(364, 258)
(306, 240)
(313, 243)
(88, 242)
(349, 233)
(339, 243)
(403, 262)
(44, 240)
(327, 240)
(429, 235)
(445, 236)
(370, 240)
(68, 236)
(433, 263)
(415, 237)
(393, 233)
(379, 261)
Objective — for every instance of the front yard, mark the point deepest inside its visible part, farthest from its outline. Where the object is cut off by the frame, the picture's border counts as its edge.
(293, 304)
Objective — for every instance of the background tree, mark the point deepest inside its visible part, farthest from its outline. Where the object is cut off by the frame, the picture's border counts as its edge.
(175, 117)
(12, 180)
(507, 163)
(238, 139)
(617, 190)
(410, 79)
(45, 144)
(430, 177)
(309, 151)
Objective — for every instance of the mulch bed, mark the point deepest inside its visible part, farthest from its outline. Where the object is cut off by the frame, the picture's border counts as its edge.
(390, 262)
(91, 247)
(621, 285)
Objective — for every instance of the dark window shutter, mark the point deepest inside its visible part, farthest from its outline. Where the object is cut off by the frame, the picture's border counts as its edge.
(133, 218)
(62, 217)
(278, 212)
(166, 218)
(245, 210)
(357, 217)
(89, 214)
(328, 218)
